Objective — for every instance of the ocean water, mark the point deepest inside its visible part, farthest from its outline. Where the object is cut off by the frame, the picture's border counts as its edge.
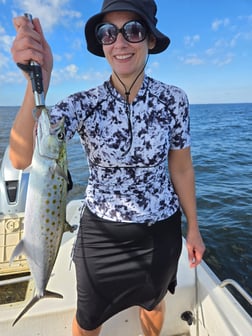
(222, 156)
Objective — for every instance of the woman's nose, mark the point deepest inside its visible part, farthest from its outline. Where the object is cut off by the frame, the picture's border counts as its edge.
(120, 40)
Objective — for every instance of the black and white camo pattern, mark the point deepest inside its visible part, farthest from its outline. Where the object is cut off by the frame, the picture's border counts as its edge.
(127, 147)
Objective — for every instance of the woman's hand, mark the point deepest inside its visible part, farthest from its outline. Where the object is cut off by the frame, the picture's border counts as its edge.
(30, 44)
(195, 246)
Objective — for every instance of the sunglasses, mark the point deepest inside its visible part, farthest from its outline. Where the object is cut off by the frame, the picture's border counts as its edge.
(133, 32)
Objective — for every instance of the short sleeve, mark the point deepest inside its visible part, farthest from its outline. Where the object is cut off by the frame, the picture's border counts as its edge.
(65, 109)
(180, 133)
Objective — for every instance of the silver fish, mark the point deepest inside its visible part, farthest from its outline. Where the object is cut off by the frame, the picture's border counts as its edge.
(45, 211)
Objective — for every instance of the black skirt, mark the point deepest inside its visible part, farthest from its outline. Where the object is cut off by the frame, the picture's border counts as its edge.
(119, 265)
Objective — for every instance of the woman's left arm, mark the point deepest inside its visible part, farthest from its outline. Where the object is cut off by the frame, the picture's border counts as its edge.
(182, 176)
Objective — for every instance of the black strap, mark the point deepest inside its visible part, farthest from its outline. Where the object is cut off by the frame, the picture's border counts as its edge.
(25, 67)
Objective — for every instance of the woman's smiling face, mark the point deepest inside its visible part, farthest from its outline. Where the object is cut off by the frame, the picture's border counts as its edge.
(125, 58)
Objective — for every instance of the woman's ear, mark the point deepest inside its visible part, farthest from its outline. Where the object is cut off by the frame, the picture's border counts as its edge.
(151, 42)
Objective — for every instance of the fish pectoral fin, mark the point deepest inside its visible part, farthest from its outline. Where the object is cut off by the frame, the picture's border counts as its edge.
(68, 227)
(19, 249)
(56, 169)
(61, 173)
(35, 299)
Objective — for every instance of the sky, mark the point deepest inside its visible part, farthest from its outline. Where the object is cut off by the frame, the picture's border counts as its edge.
(210, 56)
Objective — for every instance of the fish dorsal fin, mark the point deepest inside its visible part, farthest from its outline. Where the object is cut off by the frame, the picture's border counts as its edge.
(19, 249)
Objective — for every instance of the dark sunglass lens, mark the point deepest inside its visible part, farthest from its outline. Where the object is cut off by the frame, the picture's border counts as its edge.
(106, 33)
(134, 31)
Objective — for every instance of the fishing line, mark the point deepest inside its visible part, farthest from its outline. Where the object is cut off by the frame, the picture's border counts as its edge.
(127, 92)
(197, 300)
(198, 304)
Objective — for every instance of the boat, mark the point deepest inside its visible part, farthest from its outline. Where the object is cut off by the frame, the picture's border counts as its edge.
(202, 305)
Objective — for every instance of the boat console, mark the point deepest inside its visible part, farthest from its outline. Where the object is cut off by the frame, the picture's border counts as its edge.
(13, 187)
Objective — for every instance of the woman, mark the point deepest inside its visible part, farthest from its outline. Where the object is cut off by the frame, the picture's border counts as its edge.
(129, 240)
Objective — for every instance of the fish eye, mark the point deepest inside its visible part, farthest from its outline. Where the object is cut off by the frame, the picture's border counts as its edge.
(61, 136)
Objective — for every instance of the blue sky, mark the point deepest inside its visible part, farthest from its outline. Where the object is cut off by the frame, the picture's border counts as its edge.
(210, 55)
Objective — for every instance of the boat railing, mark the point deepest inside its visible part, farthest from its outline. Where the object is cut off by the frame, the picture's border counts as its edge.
(15, 280)
(238, 287)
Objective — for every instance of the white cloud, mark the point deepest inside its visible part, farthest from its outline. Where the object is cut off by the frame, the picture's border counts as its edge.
(57, 57)
(77, 44)
(192, 60)
(221, 61)
(68, 72)
(220, 53)
(154, 65)
(5, 41)
(150, 69)
(234, 40)
(50, 12)
(191, 40)
(68, 56)
(210, 51)
(11, 77)
(72, 72)
(247, 18)
(246, 36)
(3, 60)
(216, 24)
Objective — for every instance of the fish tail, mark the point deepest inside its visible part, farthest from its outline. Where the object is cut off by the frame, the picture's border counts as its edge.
(54, 295)
(30, 304)
(34, 300)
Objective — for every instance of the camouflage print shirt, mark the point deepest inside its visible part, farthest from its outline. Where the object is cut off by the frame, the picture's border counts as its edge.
(127, 147)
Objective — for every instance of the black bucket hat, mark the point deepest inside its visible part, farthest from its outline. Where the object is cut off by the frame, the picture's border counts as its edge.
(146, 9)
